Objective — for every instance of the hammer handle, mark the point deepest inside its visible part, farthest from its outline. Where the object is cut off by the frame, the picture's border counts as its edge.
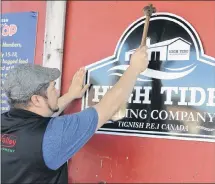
(122, 110)
(145, 31)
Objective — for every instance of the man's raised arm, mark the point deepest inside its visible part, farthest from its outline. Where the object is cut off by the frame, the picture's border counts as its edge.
(121, 91)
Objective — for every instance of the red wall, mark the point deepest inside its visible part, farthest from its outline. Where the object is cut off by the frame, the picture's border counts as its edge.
(26, 6)
(93, 30)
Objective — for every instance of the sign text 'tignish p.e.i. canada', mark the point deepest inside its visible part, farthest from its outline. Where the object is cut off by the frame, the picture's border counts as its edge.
(175, 97)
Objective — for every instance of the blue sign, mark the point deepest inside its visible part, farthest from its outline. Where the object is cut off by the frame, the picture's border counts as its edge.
(18, 33)
(174, 97)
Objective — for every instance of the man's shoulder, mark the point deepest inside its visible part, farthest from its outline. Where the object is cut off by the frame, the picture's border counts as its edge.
(89, 113)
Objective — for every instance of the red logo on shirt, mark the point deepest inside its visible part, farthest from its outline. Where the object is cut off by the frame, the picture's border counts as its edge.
(8, 140)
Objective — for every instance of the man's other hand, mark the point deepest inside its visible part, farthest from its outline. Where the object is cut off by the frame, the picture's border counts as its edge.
(77, 88)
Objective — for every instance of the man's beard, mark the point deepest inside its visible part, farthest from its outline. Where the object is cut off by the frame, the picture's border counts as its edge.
(54, 110)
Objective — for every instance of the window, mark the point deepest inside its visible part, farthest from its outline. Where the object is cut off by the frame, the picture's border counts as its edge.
(155, 56)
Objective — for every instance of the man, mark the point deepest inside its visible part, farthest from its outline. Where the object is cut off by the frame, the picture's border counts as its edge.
(35, 145)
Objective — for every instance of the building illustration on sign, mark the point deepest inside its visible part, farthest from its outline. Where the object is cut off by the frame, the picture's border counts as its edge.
(173, 49)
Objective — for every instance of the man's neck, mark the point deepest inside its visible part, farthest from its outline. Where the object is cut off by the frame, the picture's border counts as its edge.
(34, 110)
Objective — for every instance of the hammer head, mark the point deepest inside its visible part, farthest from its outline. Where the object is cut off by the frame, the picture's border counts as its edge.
(149, 10)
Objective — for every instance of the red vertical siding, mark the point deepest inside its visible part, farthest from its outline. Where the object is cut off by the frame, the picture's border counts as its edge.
(92, 32)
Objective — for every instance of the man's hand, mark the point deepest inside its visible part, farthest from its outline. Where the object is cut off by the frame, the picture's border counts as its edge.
(77, 89)
(139, 60)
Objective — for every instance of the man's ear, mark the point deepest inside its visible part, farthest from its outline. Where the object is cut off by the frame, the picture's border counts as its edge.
(36, 101)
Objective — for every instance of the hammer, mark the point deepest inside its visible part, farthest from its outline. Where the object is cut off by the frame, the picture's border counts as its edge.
(148, 10)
